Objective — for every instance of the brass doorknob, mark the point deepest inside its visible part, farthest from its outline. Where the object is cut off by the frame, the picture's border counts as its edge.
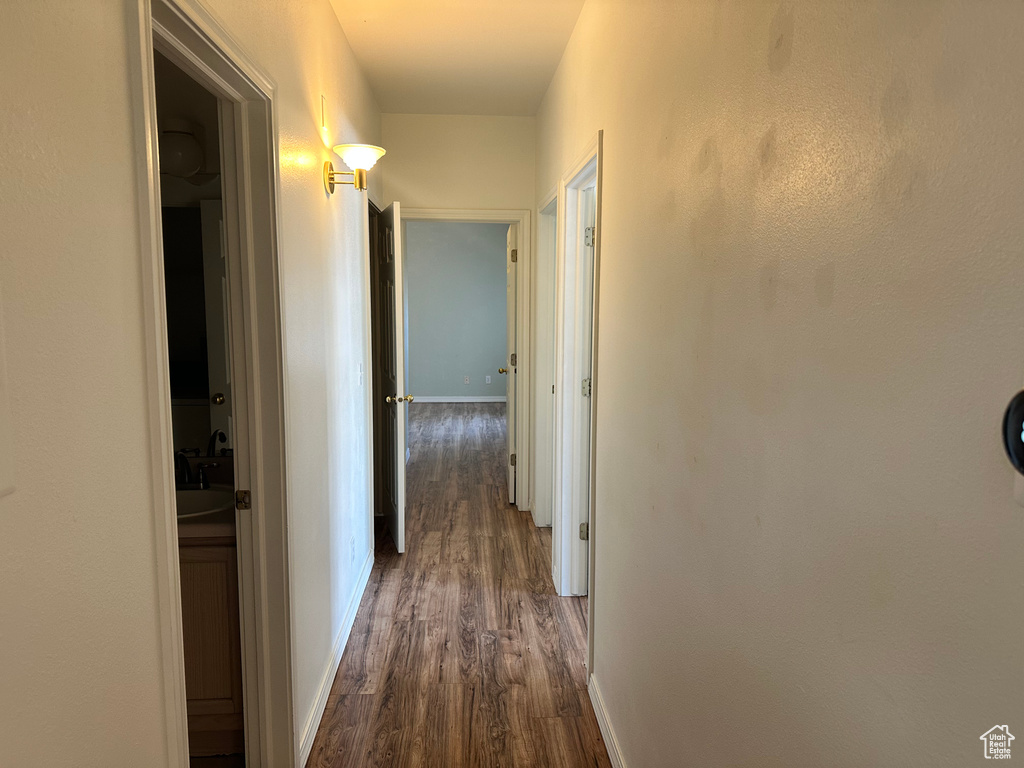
(218, 399)
(503, 370)
(397, 399)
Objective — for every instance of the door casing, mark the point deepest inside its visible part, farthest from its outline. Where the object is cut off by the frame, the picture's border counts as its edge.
(574, 567)
(542, 493)
(185, 32)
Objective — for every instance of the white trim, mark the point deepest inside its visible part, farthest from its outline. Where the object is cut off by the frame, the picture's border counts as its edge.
(548, 199)
(543, 429)
(312, 723)
(574, 415)
(524, 312)
(605, 724)
(594, 392)
(197, 42)
(459, 399)
(165, 528)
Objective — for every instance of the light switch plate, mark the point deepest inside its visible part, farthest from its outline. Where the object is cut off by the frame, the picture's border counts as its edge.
(6, 425)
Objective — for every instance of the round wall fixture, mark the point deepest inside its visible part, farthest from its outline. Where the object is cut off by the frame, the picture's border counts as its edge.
(180, 152)
(1013, 431)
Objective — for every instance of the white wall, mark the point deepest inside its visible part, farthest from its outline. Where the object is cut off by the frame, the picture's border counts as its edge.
(455, 308)
(458, 161)
(80, 650)
(811, 322)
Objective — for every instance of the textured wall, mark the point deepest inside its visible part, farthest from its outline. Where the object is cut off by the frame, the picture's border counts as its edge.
(811, 320)
(458, 161)
(79, 644)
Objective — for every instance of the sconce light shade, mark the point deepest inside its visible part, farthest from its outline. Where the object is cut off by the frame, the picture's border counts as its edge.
(180, 152)
(359, 157)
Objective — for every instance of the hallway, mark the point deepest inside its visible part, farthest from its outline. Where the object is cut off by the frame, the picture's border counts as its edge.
(461, 653)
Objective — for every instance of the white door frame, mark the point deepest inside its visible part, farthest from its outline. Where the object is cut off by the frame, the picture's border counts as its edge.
(543, 421)
(187, 34)
(572, 564)
(524, 238)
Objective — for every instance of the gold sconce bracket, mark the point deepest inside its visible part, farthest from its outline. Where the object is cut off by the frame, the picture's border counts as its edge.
(333, 178)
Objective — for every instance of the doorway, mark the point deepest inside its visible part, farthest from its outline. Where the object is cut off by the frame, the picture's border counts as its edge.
(226, 661)
(576, 375)
(394, 358)
(202, 419)
(389, 362)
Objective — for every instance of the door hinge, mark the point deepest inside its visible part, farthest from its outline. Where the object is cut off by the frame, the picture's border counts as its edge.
(243, 500)
(512, 459)
(514, 255)
(589, 235)
(587, 387)
(515, 360)
(584, 531)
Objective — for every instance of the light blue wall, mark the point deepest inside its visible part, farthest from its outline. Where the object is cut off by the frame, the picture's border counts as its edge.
(455, 293)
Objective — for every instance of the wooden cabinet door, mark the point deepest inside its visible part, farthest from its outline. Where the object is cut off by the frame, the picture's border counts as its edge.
(213, 665)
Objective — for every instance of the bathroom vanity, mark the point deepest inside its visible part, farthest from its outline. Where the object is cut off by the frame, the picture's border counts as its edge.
(210, 625)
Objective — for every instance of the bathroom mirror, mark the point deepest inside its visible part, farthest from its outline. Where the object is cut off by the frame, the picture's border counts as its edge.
(196, 285)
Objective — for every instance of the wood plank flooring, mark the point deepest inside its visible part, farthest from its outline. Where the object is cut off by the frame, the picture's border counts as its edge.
(461, 653)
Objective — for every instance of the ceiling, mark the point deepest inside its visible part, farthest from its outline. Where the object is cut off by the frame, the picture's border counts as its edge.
(459, 57)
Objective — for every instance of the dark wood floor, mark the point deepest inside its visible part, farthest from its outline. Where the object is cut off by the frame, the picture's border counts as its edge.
(461, 653)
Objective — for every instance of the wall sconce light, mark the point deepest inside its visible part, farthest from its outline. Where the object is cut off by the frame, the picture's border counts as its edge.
(359, 157)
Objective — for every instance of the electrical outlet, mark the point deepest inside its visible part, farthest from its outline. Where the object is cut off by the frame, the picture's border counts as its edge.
(487, 379)
(466, 380)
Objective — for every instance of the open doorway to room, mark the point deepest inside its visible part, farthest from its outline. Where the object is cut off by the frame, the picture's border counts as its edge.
(458, 339)
(202, 419)
(460, 312)
(450, 336)
(206, 166)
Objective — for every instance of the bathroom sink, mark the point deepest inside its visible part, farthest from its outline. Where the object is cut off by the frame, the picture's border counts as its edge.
(196, 503)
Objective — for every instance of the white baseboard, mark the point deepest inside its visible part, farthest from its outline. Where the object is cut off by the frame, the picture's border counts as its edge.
(612, 743)
(460, 399)
(312, 723)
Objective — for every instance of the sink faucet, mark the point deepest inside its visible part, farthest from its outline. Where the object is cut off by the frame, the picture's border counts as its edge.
(204, 481)
(217, 437)
(181, 465)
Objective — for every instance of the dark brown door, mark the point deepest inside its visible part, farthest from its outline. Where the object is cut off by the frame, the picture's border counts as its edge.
(388, 370)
